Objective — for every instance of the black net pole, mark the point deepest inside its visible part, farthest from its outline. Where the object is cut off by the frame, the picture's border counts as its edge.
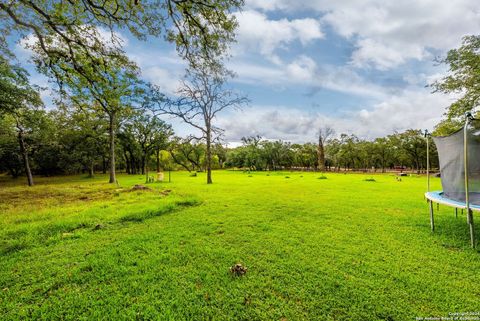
(468, 118)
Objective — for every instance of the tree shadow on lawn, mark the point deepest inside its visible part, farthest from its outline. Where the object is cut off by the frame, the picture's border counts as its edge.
(53, 232)
(451, 232)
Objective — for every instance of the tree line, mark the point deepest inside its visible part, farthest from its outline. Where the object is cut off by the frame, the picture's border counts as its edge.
(71, 141)
(399, 151)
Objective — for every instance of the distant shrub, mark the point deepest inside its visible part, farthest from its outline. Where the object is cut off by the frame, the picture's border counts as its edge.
(370, 179)
(287, 176)
(193, 175)
(322, 177)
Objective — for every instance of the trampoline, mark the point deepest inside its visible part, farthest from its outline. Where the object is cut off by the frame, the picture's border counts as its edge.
(459, 159)
(439, 198)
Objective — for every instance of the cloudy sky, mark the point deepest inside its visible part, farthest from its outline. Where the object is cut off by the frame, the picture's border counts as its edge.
(360, 66)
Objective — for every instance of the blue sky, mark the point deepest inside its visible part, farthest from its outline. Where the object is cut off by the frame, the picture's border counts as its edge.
(359, 66)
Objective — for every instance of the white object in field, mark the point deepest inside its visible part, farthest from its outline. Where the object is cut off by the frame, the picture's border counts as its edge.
(160, 176)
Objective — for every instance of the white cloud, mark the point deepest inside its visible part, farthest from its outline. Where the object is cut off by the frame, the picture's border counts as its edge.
(410, 109)
(108, 38)
(303, 71)
(167, 80)
(164, 69)
(112, 37)
(417, 109)
(383, 57)
(269, 122)
(257, 33)
(388, 33)
(264, 5)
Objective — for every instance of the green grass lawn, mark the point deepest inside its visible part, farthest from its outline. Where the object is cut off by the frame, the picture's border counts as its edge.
(340, 248)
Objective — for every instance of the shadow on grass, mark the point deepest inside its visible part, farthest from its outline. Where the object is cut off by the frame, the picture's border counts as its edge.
(451, 232)
(455, 232)
(21, 239)
(141, 216)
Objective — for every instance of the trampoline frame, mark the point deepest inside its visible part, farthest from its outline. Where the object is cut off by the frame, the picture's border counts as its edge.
(436, 197)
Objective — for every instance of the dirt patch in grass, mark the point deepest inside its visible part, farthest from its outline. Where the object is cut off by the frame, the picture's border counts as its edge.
(11, 198)
(139, 187)
(166, 192)
(47, 231)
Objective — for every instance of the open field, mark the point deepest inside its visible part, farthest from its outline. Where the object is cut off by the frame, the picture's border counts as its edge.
(340, 248)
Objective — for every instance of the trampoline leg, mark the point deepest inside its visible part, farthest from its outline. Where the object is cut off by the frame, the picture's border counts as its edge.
(456, 212)
(472, 228)
(432, 223)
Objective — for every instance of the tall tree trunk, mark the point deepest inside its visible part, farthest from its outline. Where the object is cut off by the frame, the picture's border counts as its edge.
(158, 159)
(104, 165)
(145, 168)
(209, 155)
(90, 169)
(133, 164)
(127, 162)
(14, 172)
(131, 160)
(321, 154)
(26, 162)
(111, 133)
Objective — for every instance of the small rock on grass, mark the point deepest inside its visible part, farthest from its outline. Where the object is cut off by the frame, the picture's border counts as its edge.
(238, 269)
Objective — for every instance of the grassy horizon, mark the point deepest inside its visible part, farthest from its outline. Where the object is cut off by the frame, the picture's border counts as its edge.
(342, 248)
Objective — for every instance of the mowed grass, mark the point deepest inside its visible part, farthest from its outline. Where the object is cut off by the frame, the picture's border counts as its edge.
(340, 248)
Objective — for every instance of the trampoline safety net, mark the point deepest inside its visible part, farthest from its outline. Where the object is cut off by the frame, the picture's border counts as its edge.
(452, 167)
